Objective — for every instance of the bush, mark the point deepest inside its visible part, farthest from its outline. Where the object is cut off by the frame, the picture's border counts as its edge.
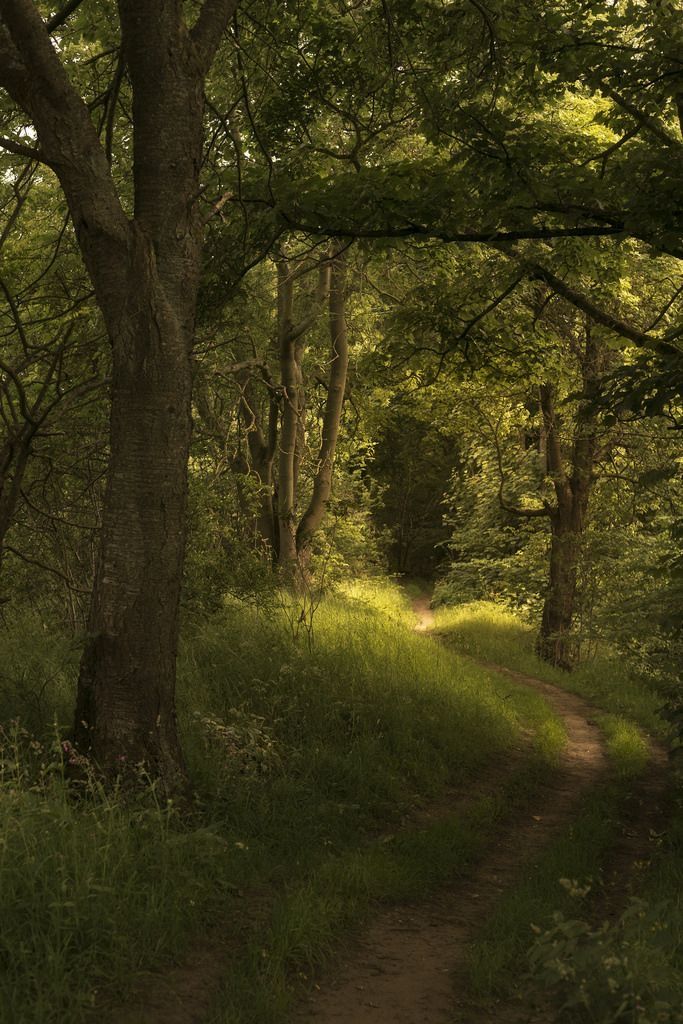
(617, 972)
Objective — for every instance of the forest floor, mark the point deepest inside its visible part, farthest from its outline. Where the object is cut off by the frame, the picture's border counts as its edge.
(411, 965)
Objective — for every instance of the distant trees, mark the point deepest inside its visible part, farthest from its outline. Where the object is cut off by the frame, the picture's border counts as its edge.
(416, 126)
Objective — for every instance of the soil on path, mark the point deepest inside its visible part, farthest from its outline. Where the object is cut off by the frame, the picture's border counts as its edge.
(410, 966)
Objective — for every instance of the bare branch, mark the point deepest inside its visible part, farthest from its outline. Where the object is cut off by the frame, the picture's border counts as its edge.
(46, 568)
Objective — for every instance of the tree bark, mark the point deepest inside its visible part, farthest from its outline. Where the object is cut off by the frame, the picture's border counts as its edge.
(125, 710)
(291, 342)
(262, 448)
(145, 274)
(569, 517)
(339, 362)
(14, 457)
(289, 379)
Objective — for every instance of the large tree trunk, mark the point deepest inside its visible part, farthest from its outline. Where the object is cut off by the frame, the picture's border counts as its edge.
(126, 711)
(145, 274)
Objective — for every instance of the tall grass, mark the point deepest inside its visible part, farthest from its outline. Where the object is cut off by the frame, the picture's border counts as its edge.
(304, 759)
(632, 968)
(492, 633)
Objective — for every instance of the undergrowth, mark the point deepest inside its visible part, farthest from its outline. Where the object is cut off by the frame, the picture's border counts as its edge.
(630, 969)
(308, 759)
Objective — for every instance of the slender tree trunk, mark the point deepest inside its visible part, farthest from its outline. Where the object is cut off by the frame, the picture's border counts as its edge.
(262, 450)
(14, 458)
(569, 518)
(339, 362)
(289, 378)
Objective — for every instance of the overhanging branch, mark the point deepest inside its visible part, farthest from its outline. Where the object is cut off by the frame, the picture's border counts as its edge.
(423, 231)
(61, 16)
(540, 273)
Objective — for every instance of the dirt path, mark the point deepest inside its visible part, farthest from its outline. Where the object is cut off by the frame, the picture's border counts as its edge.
(425, 615)
(409, 967)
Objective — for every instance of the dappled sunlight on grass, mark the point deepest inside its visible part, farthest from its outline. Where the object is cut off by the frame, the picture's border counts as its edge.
(485, 631)
(301, 752)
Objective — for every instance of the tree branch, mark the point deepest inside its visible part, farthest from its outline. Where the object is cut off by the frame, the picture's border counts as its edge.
(46, 568)
(208, 30)
(61, 16)
(643, 119)
(423, 231)
(34, 76)
(540, 273)
(19, 150)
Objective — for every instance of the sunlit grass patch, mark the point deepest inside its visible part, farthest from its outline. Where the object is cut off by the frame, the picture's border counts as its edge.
(301, 755)
(627, 748)
(492, 633)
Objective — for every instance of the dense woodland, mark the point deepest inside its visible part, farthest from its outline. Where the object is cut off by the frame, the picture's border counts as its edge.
(310, 310)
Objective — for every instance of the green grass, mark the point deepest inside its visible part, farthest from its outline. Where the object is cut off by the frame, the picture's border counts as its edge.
(310, 917)
(304, 758)
(577, 856)
(634, 964)
(492, 633)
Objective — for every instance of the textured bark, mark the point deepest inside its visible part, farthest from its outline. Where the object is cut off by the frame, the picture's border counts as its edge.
(145, 275)
(125, 710)
(339, 362)
(568, 518)
(289, 379)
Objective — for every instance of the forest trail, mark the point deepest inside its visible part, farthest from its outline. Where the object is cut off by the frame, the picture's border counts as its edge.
(410, 965)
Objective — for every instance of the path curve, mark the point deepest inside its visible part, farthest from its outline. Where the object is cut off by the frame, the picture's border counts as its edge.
(409, 966)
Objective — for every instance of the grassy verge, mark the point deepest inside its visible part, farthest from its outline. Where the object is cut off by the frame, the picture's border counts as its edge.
(490, 633)
(560, 879)
(631, 969)
(310, 916)
(305, 756)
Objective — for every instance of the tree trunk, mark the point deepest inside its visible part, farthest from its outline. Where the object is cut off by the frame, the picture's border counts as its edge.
(13, 461)
(125, 710)
(289, 378)
(569, 518)
(145, 274)
(262, 454)
(555, 643)
(339, 362)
